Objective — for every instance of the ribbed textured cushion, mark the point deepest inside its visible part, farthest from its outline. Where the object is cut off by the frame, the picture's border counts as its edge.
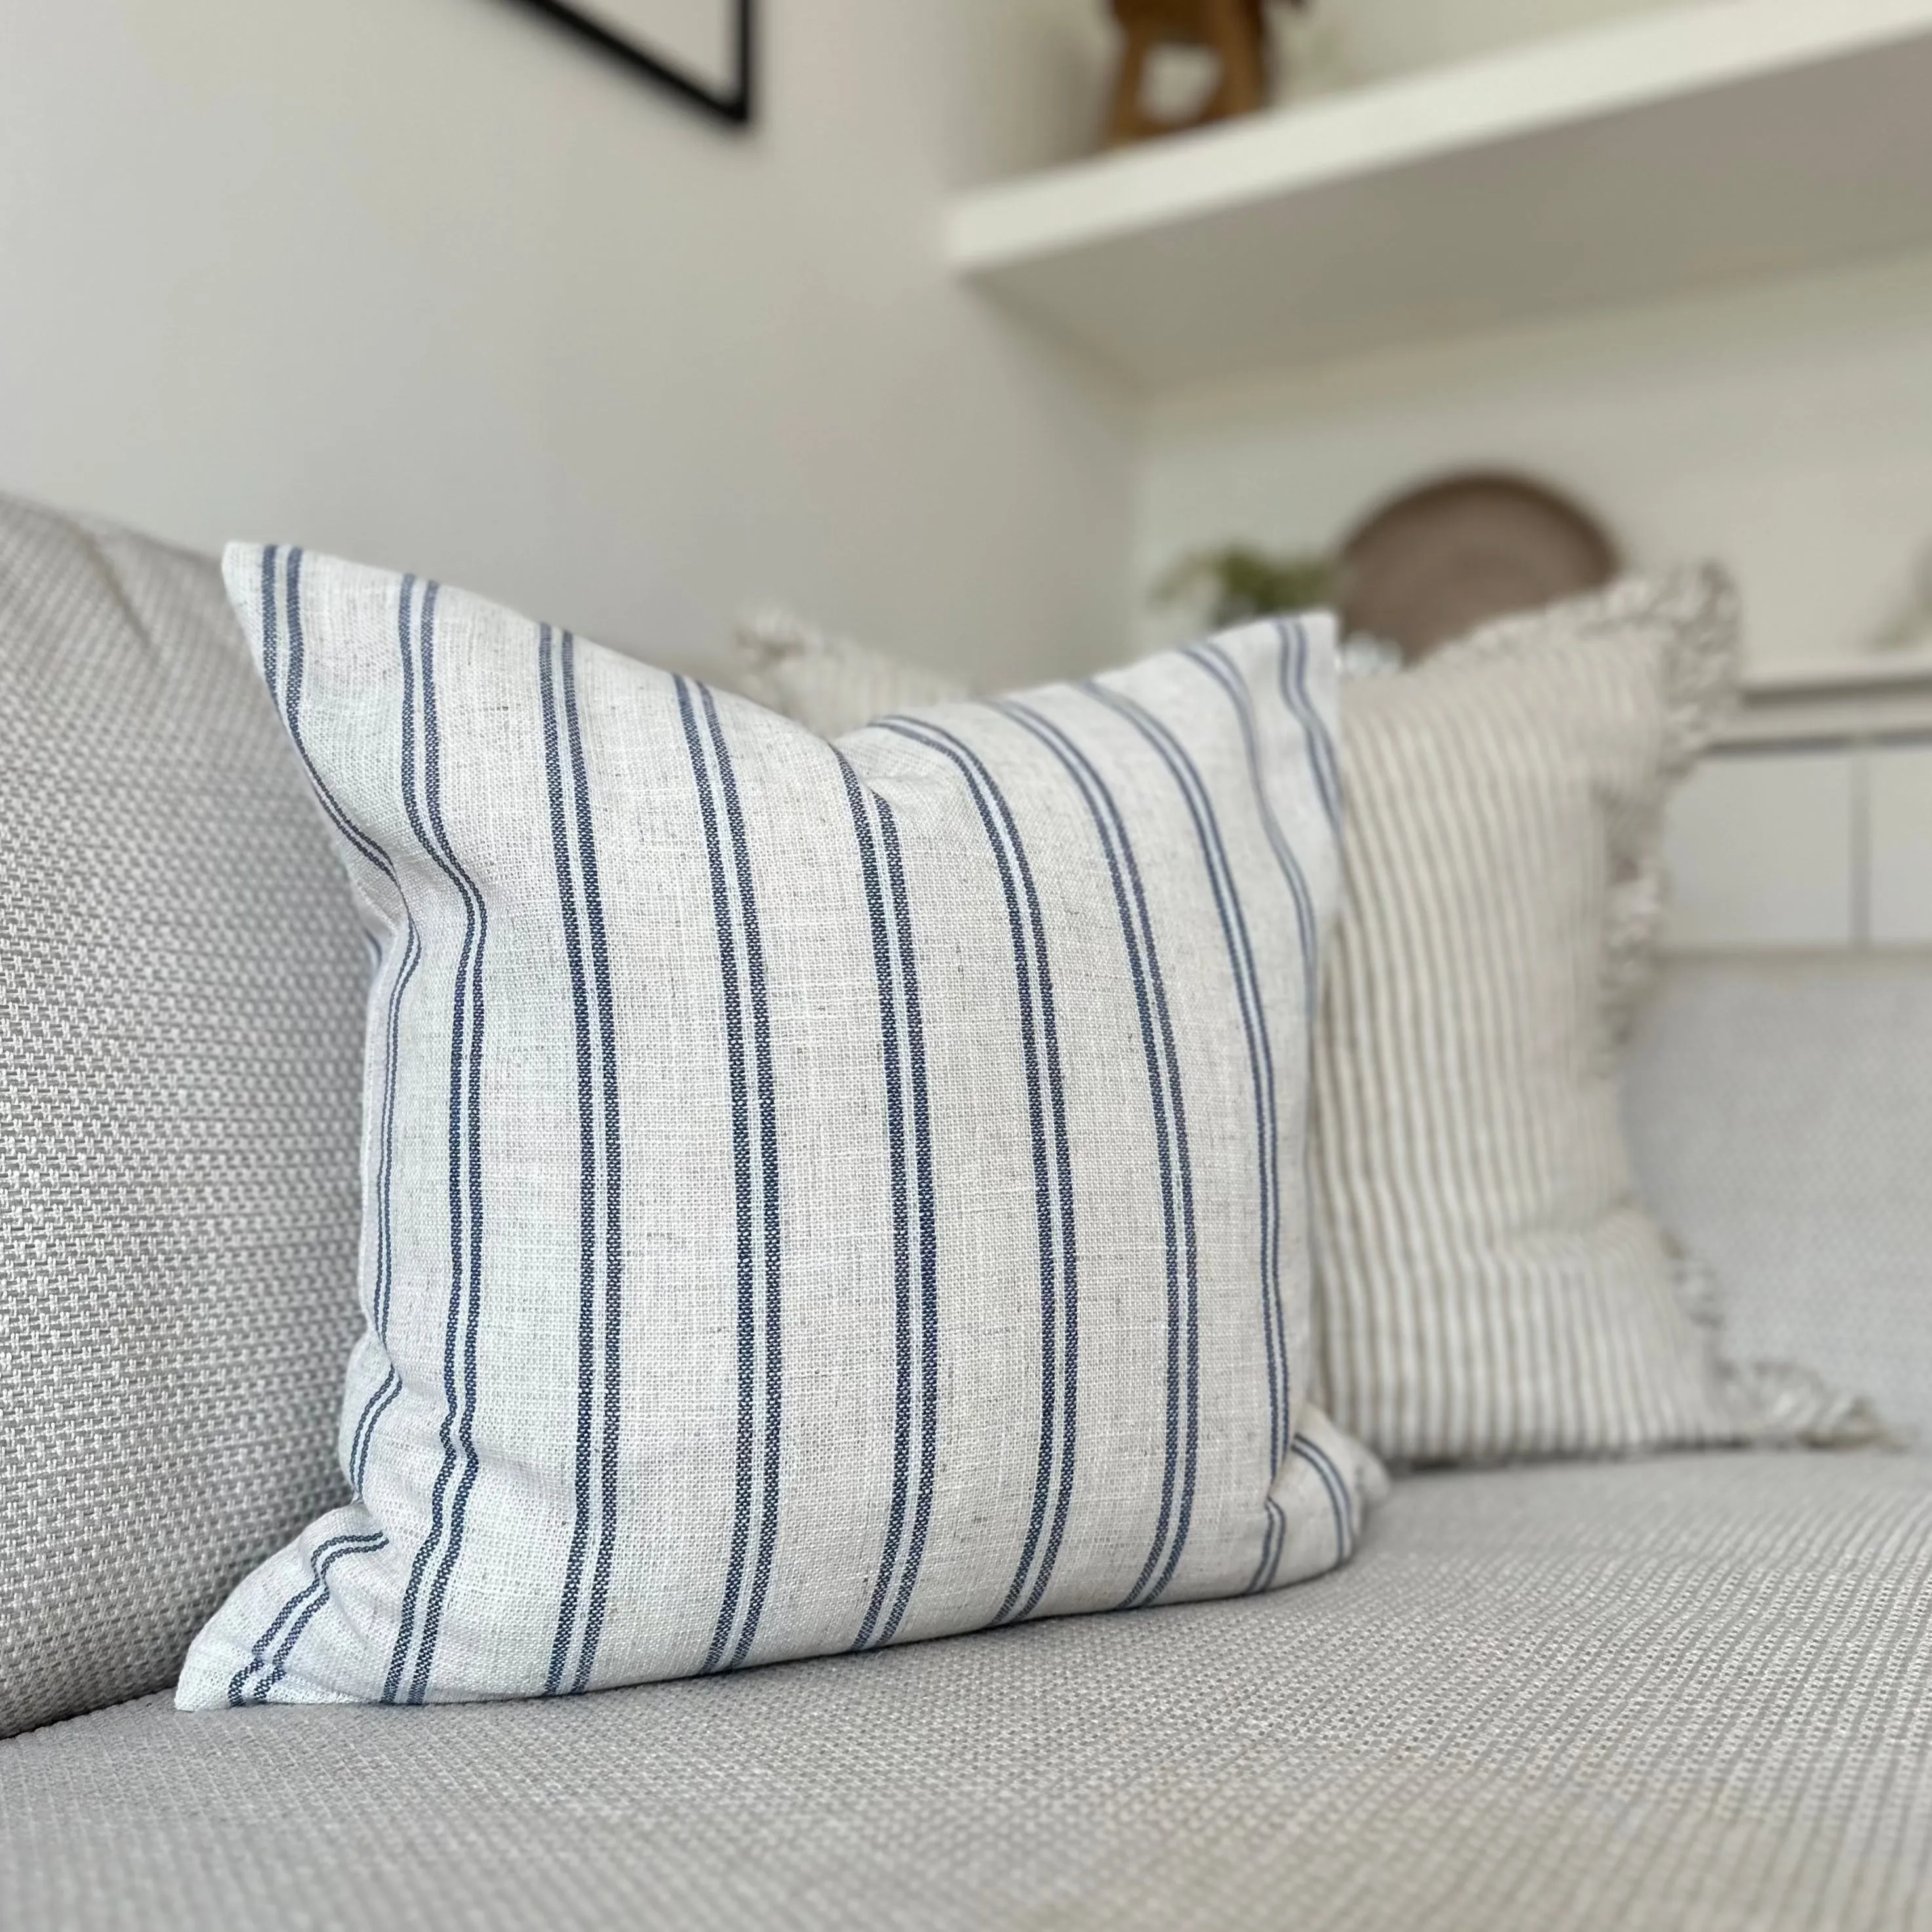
(1692, 1693)
(816, 1197)
(182, 989)
(1780, 1112)
(1490, 1284)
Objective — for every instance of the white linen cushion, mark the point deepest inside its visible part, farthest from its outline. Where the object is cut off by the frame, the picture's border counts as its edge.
(815, 1196)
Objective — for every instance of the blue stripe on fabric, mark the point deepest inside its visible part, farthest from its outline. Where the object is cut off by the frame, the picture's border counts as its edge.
(465, 1194)
(320, 1559)
(571, 919)
(1165, 1099)
(1261, 1054)
(363, 1440)
(1211, 657)
(406, 1619)
(1052, 1169)
(426, 1549)
(928, 1222)
(310, 1610)
(740, 1076)
(1274, 1539)
(1183, 1288)
(1293, 672)
(1340, 1506)
(604, 1010)
(1069, 1298)
(473, 1149)
(270, 654)
(391, 1386)
(288, 700)
(978, 784)
(899, 1190)
(768, 1153)
(287, 696)
(1233, 921)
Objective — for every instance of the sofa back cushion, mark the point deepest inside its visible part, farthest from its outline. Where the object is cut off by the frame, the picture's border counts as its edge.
(1780, 1111)
(182, 985)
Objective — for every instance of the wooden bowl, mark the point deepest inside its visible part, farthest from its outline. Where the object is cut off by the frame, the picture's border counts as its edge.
(1439, 560)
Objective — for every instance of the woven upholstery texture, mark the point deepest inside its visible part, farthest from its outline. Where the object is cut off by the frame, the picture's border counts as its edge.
(181, 988)
(1684, 1695)
(817, 1197)
(1780, 1115)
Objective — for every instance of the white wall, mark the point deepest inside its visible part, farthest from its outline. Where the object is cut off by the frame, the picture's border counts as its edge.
(427, 284)
(1348, 43)
(1026, 82)
(1786, 429)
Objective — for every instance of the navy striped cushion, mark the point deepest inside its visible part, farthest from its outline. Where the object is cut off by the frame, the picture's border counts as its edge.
(815, 1196)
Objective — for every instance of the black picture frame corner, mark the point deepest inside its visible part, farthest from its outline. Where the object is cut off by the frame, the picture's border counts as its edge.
(735, 107)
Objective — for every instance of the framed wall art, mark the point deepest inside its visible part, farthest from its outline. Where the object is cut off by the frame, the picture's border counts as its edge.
(702, 50)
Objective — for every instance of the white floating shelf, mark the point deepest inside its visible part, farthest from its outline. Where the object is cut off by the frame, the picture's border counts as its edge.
(1679, 149)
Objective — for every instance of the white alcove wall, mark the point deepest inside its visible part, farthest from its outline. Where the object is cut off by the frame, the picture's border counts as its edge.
(1785, 428)
(1353, 43)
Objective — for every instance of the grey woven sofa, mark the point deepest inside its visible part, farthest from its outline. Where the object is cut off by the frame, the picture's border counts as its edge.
(1689, 1691)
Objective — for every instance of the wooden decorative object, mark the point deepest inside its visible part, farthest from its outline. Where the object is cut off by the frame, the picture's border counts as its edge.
(1440, 560)
(1235, 30)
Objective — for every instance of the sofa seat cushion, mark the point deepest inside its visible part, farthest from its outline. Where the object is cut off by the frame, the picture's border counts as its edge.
(1691, 1691)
